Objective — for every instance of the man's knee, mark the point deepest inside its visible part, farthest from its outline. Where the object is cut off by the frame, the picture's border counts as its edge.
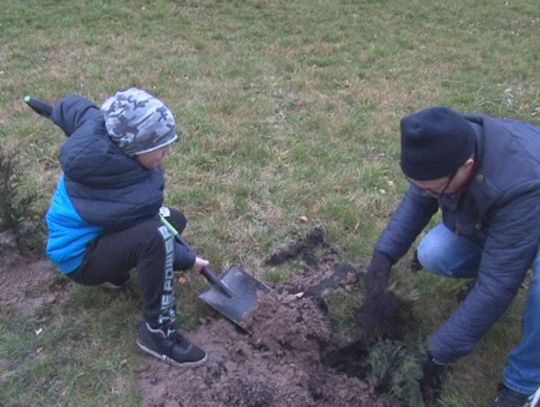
(441, 252)
(429, 254)
(437, 251)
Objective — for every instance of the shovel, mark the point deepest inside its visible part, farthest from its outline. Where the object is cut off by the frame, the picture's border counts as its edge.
(234, 294)
(41, 107)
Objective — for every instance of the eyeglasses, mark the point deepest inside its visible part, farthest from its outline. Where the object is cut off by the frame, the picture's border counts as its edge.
(436, 193)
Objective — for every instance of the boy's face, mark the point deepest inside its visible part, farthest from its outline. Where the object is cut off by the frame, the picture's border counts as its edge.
(152, 159)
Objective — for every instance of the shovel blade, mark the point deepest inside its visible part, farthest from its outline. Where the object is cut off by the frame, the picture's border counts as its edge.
(244, 288)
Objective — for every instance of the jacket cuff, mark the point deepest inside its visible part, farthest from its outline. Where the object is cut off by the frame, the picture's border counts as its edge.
(383, 257)
(184, 259)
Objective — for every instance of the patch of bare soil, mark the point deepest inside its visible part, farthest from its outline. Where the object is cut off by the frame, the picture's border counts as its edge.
(291, 356)
(27, 284)
(288, 359)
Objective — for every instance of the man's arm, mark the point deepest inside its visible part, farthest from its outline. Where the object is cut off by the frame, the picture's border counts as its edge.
(411, 217)
(512, 243)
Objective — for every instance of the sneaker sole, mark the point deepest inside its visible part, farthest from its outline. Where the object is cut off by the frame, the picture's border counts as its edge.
(170, 361)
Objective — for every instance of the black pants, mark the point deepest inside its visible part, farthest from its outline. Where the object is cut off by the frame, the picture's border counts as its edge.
(150, 247)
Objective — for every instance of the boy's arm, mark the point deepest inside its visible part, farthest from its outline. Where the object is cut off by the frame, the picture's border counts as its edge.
(72, 111)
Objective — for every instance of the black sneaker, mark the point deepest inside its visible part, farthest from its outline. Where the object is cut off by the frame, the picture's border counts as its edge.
(510, 398)
(170, 346)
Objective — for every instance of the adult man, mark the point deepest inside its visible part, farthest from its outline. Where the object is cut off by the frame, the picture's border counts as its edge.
(484, 174)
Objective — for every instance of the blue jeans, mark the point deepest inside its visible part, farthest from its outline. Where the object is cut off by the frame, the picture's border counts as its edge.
(443, 252)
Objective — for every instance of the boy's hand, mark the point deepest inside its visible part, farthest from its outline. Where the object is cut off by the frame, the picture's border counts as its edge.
(199, 265)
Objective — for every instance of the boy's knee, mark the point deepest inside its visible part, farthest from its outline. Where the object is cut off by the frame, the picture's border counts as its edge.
(178, 220)
(154, 233)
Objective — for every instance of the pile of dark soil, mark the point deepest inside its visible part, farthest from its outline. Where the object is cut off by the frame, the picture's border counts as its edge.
(279, 364)
(291, 356)
(288, 359)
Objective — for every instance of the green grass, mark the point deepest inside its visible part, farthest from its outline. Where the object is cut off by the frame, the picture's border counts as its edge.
(79, 354)
(289, 109)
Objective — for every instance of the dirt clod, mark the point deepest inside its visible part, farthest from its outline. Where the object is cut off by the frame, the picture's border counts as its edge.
(384, 316)
(305, 248)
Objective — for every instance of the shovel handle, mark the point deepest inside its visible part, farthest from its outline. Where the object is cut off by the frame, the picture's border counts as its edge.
(41, 107)
(214, 280)
(207, 272)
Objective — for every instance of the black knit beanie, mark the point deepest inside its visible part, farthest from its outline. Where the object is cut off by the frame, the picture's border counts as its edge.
(435, 142)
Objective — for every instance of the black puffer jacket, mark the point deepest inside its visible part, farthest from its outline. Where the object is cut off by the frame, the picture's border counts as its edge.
(107, 187)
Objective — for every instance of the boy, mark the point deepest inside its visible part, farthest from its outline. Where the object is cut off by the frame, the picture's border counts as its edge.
(104, 218)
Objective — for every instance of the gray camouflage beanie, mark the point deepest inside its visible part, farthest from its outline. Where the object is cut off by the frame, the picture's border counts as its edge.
(138, 122)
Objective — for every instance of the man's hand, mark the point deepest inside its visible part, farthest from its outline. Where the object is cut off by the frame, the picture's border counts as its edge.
(431, 381)
(377, 274)
(199, 265)
(381, 311)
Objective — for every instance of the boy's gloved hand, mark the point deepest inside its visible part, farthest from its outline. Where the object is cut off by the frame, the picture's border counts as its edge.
(377, 274)
(199, 265)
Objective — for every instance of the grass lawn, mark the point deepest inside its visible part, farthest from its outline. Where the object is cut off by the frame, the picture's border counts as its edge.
(290, 112)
